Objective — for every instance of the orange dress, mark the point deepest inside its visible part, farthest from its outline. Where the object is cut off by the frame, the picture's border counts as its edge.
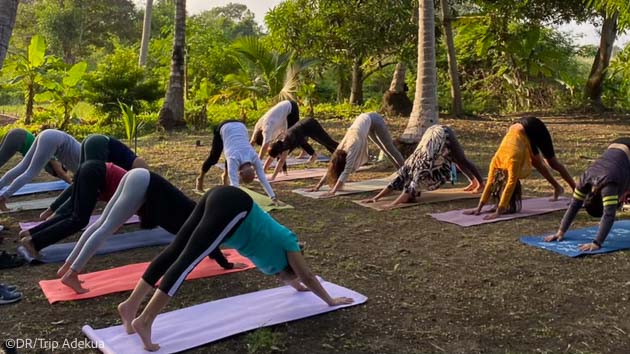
(513, 156)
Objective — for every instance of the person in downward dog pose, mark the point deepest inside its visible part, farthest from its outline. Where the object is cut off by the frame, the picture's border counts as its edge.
(48, 144)
(510, 164)
(272, 124)
(541, 144)
(156, 201)
(241, 161)
(224, 215)
(20, 140)
(603, 188)
(94, 180)
(352, 151)
(429, 167)
(99, 148)
(298, 135)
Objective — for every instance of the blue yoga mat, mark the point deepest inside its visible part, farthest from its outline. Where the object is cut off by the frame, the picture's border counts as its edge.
(32, 188)
(142, 238)
(618, 239)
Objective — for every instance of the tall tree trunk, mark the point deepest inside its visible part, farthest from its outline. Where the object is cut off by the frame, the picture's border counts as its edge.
(356, 87)
(456, 92)
(7, 21)
(425, 107)
(146, 33)
(595, 82)
(395, 100)
(172, 113)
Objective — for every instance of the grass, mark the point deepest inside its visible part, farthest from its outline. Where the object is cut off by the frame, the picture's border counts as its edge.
(432, 287)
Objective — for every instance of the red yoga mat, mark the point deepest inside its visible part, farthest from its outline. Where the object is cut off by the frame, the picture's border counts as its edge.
(124, 278)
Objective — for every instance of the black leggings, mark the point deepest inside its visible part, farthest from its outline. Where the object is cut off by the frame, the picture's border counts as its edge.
(216, 217)
(217, 147)
(309, 128)
(538, 135)
(88, 181)
(294, 116)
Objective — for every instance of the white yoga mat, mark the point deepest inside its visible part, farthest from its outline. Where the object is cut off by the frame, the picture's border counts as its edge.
(197, 325)
(35, 204)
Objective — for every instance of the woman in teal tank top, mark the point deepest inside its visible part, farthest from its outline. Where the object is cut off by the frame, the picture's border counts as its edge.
(224, 215)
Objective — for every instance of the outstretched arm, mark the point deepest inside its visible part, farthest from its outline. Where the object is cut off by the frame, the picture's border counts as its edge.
(298, 264)
(279, 164)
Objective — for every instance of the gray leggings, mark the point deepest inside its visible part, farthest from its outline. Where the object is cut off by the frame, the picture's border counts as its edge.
(129, 197)
(379, 134)
(12, 143)
(42, 150)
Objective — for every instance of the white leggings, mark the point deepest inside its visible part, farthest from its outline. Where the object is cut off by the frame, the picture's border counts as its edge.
(129, 197)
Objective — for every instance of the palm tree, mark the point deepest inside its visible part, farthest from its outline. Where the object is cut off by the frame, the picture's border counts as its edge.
(146, 33)
(263, 72)
(172, 113)
(7, 21)
(425, 107)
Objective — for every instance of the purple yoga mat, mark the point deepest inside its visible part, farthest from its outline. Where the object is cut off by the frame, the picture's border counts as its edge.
(31, 224)
(197, 325)
(531, 207)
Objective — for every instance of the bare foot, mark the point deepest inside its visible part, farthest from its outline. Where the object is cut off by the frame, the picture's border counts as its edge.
(144, 331)
(470, 187)
(63, 269)
(71, 280)
(24, 233)
(126, 315)
(557, 192)
(479, 189)
(27, 243)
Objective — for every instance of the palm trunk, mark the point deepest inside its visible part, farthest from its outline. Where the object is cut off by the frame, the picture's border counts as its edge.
(356, 88)
(425, 108)
(456, 92)
(146, 33)
(7, 21)
(595, 83)
(395, 100)
(172, 113)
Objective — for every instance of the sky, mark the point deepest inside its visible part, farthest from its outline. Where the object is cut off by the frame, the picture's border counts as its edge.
(582, 33)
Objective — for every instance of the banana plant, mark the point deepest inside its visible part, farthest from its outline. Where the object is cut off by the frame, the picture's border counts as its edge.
(28, 71)
(63, 89)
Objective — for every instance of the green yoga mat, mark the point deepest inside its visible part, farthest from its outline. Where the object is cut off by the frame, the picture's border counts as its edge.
(263, 201)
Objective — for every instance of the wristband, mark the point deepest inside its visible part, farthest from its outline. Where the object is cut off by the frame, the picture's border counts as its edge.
(597, 243)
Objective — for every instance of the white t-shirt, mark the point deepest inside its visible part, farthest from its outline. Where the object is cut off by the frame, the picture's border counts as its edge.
(238, 151)
(274, 122)
(355, 144)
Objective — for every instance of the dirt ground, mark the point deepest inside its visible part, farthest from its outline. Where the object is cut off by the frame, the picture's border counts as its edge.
(432, 287)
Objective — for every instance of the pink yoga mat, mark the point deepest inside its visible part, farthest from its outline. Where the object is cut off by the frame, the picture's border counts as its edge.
(31, 224)
(298, 174)
(531, 207)
(194, 326)
(124, 278)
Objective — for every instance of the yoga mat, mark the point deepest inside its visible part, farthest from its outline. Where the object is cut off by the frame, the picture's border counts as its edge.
(35, 204)
(263, 201)
(141, 238)
(31, 224)
(197, 325)
(124, 278)
(618, 239)
(436, 196)
(369, 185)
(39, 187)
(536, 206)
(291, 161)
(298, 174)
